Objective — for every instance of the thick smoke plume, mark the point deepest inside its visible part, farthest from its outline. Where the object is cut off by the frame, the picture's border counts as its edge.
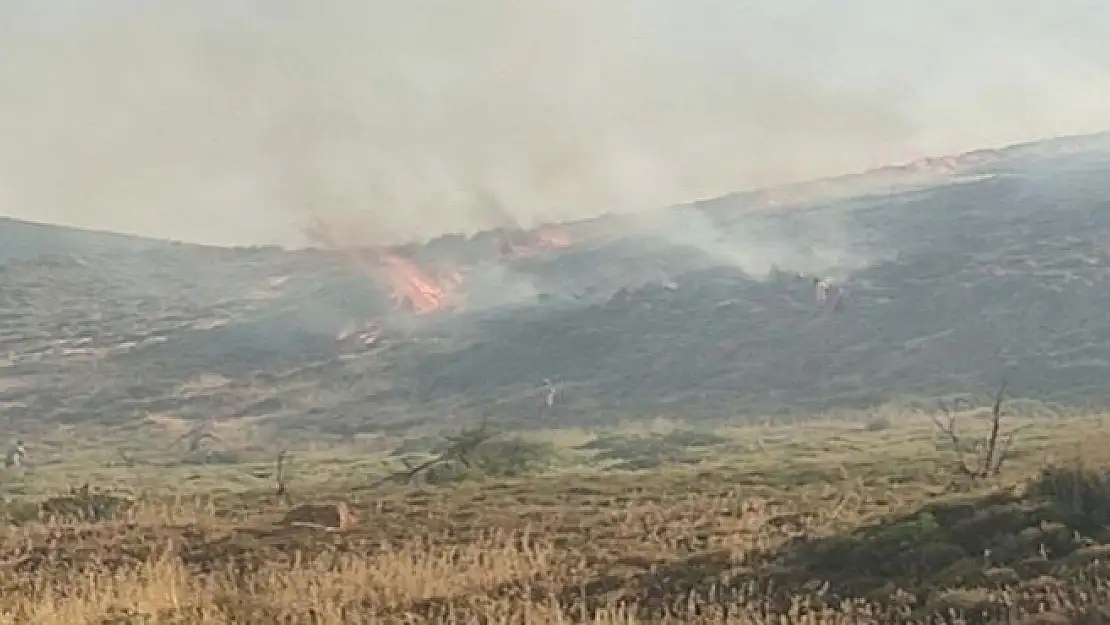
(231, 122)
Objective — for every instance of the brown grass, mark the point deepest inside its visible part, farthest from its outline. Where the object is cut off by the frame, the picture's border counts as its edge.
(831, 523)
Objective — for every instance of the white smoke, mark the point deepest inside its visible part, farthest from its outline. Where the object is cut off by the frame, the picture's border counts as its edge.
(231, 121)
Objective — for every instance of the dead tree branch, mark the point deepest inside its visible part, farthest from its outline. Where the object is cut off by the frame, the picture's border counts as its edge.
(989, 459)
(949, 429)
(991, 466)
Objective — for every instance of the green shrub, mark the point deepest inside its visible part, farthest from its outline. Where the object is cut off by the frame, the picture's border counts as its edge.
(1080, 496)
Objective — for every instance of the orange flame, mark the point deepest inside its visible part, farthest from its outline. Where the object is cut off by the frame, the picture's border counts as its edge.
(411, 285)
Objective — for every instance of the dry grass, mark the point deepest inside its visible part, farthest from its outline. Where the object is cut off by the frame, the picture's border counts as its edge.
(833, 522)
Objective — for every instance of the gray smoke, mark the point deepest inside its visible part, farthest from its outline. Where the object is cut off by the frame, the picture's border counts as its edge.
(230, 122)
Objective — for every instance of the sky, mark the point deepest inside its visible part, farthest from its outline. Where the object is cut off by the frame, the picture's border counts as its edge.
(232, 122)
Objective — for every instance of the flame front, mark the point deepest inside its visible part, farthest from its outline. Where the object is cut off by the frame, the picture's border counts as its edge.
(411, 285)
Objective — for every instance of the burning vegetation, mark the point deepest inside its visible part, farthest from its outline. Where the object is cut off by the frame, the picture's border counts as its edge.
(413, 288)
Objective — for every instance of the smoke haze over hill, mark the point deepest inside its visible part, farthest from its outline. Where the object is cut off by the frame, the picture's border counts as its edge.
(232, 122)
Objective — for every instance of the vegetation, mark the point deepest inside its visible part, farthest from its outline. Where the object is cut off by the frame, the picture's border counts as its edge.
(830, 521)
(653, 450)
(472, 454)
(226, 451)
(944, 292)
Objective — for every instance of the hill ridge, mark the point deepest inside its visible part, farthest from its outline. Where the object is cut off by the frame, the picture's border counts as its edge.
(948, 288)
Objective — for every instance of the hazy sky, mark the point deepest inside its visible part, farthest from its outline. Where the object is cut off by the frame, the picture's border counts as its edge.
(231, 121)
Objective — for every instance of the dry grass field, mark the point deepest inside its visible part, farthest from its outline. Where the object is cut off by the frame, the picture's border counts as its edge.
(843, 520)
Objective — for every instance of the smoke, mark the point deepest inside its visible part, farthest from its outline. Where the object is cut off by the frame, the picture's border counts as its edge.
(493, 286)
(231, 122)
(818, 243)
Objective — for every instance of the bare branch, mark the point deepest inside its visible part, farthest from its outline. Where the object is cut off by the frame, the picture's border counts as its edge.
(950, 430)
(989, 459)
(990, 462)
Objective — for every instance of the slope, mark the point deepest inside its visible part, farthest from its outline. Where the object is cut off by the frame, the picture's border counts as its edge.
(698, 312)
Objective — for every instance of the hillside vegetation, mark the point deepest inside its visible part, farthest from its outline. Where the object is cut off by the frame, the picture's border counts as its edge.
(698, 313)
(630, 420)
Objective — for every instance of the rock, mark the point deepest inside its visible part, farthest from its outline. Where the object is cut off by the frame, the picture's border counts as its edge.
(331, 516)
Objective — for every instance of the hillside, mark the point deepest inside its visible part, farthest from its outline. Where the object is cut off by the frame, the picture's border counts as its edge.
(956, 275)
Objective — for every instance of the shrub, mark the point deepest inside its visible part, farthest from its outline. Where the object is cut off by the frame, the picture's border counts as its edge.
(496, 458)
(646, 452)
(1080, 496)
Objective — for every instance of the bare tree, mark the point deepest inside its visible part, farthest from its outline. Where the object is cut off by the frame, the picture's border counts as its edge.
(989, 458)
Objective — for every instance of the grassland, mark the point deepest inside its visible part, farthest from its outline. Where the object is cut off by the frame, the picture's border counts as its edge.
(839, 520)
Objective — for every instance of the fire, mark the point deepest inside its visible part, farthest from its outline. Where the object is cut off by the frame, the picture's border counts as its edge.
(410, 284)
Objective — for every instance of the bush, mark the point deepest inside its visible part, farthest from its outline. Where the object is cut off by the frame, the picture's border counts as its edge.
(514, 457)
(497, 458)
(646, 452)
(1080, 496)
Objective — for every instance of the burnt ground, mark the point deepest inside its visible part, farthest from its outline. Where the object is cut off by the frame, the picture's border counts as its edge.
(695, 314)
